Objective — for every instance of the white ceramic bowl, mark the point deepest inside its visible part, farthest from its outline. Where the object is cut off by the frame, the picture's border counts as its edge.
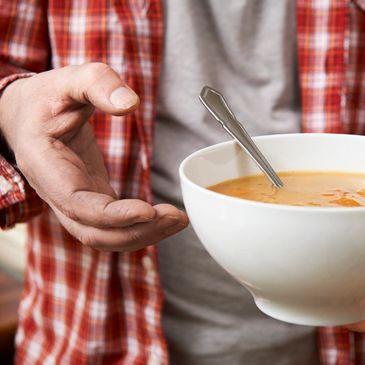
(303, 265)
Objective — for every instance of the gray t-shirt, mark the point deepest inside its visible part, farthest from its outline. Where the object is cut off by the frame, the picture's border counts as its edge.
(246, 49)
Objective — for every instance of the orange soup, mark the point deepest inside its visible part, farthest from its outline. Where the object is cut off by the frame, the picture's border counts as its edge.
(303, 188)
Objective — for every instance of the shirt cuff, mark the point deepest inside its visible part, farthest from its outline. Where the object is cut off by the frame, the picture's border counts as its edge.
(18, 201)
(12, 189)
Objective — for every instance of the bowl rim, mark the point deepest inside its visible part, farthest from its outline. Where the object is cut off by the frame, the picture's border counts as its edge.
(263, 205)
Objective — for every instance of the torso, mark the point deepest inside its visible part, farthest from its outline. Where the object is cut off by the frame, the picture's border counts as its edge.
(208, 317)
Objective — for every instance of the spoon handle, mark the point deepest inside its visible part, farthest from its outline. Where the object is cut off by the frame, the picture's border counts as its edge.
(218, 107)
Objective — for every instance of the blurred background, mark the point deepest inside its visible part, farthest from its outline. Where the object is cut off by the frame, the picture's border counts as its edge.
(12, 262)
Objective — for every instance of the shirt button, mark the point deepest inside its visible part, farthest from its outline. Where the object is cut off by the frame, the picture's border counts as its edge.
(147, 263)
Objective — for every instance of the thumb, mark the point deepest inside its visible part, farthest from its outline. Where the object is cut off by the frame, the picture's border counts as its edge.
(98, 84)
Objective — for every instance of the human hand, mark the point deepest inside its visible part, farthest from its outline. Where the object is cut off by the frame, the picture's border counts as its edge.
(356, 327)
(44, 120)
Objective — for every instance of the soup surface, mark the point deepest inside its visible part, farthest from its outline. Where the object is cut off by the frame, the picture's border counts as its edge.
(303, 188)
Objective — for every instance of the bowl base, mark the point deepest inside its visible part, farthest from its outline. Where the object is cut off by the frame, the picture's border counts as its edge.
(309, 316)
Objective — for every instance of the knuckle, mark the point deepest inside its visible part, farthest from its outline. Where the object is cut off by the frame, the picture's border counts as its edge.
(56, 106)
(133, 236)
(69, 212)
(125, 213)
(75, 200)
(96, 70)
(89, 240)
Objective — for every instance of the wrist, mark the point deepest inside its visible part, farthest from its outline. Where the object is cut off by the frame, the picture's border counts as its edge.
(9, 96)
(9, 80)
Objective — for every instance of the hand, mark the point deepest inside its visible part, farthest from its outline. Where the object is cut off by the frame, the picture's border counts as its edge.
(356, 327)
(44, 120)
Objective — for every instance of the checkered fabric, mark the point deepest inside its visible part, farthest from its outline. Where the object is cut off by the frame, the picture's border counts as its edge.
(331, 53)
(81, 306)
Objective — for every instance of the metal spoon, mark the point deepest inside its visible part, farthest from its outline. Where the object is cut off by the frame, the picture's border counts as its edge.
(218, 107)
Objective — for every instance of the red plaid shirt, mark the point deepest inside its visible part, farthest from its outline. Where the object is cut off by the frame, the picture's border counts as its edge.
(82, 306)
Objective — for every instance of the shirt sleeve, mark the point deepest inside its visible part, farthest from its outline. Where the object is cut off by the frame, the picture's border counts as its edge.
(18, 201)
(24, 50)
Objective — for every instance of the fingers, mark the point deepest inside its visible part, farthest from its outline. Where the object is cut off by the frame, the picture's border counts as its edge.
(61, 100)
(65, 166)
(99, 85)
(81, 190)
(101, 210)
(168, 221)
(356, 327)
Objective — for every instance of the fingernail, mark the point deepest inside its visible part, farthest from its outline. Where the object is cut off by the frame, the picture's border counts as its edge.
(171, 225)
(123, 98)
(184, 218)
(174, 229)
(168, 221)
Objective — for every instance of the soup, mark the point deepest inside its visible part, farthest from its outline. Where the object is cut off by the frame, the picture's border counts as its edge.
(302, 188)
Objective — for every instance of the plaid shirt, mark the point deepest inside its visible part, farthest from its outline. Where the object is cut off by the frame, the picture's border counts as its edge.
(82, 306)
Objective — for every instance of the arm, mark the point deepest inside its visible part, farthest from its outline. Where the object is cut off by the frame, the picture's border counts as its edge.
(24, 48)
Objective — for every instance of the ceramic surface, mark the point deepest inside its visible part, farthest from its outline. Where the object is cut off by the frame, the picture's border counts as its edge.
(303, 265)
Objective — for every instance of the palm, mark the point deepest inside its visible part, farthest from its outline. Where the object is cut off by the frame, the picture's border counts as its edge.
(69, 159)
(85, 158)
